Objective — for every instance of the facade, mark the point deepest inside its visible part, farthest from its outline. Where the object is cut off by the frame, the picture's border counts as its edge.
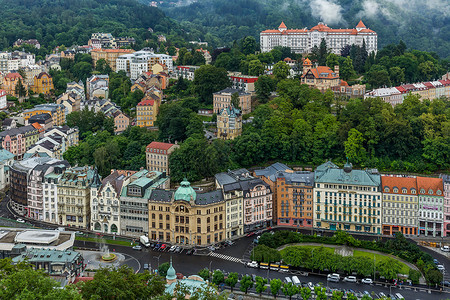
(121, 122)
(30, 72)
(187, 72)
(134, 201)
(19, 140)
(3, 102)
(74, 208)
(105, 203)
(244, 83)
(50, 191)
(57, 111)
(304, 40)
(146, 112)
(222, 100)
(347, 199)
(400, 205)
(142, 61)
(186, 217)
(109, 55)
(97, 86)
(446, 181)
(322, 78)
(43, 84)
(10, 81)
(45, 120)
(32, 42)
(6, 160)
(431, 206)
(157, 156)
(234, 204)
(349, 91)
(229, 123)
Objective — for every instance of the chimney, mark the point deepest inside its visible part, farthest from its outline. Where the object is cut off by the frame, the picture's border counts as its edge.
(336, 70)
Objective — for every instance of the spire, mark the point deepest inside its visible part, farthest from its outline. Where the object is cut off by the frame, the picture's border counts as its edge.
(360, 24)
(171, 274)
(282, 25)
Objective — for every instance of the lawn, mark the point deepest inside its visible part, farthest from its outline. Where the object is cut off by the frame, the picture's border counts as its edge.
(327, 249)
(379, 257)
(106, 241)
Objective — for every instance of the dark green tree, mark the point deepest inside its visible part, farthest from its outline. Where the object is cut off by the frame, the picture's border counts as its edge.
(208, 80)
(264, 86)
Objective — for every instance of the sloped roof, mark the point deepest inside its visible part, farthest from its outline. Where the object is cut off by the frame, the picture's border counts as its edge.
(13, 75)
(148, 102)
(322, 72)
(399, 182)
(282, 25)
(360, 24)
(429, 183)
(160, 145)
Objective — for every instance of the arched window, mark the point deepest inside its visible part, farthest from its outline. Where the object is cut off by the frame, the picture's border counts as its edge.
(430, 191)
(199, 221)
(113, 228)
(386, 190)
(160, 216)
(153, 216)
(97, 226)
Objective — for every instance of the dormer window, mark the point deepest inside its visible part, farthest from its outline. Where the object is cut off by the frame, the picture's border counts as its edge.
(422, 191)
(395, 190)
(404, 190)
(413, 191)
(430, 191)
(439, 192)
(386, 190)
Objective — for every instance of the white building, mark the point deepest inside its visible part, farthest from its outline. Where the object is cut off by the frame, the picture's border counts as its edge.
(136, 63)
(50, 190)
(303, 40)
(6, 160)
(3, 102)
(431, 206)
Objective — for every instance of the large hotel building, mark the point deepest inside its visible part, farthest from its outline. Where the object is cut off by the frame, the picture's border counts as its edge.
(303, 40)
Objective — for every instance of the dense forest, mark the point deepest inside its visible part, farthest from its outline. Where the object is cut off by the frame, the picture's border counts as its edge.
(68, 22)
(424, 25)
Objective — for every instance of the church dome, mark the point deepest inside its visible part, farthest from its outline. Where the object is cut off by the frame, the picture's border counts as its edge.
(171, 274)
(185, 192)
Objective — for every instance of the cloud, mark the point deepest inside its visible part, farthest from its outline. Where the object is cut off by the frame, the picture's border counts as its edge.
(370, 8)
(327, 10)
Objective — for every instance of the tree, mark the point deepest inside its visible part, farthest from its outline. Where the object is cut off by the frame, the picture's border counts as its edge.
(208, 80)
(218, 277)
(337, 295)
(20, 89)
(260, 285)
(246, 283)
(281, 70)
(204, 273)
(248, 45)
(305, 292)
(275, 286)
(332, 60)
(378, 76)
(397, 75)
(162, 269)
(389, 268)
(290, 289)
(264, 86)
(320, 293)
(235, 101)
(323, 53)
(346, 70)
(102, 66)
(354, 148)
(255, 68)
(172, 51)
(351, 296)
(232, 280)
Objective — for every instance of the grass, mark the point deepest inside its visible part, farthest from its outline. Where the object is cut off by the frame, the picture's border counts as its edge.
(107, 241)
(327, 249)
(380, 257)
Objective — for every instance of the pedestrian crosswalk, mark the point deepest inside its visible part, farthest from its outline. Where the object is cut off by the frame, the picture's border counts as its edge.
(225, 257)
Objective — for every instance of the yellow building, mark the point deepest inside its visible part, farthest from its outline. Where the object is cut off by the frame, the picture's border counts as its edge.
(53, 109)
(229, 123)
(322, 77)
(110, 55)
(10, 81)
(43, 83)
(185, 217)
(146, 112)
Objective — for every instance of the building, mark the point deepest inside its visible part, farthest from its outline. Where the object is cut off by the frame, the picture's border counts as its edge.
(121, 122)
(105, 203)
(187, 72)
(322, 78)
(191, 285)
(304, 40)
(3, 102)
(229, 123)
(74, 207)
(45, 120)
(349, 91)
(19, 140)
(43, 84)
(30, 72)
(97, 86)
(431, 206)
(446, 181)
(6, 160)
(234, 204)
(400, 205)
(136, 63)
(70, 135)
(57, 111)
(222, 100)
(157, 156)
(109, 55)
(134, 201)
(76, 88)
(186, 217)
(146, 112)
(101, 40)
(243, 83)
(41, 204)
(32, 42)
(257, 197)
(347, 199)
(10, 81)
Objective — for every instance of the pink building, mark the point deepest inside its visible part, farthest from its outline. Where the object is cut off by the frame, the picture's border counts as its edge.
(446, 179)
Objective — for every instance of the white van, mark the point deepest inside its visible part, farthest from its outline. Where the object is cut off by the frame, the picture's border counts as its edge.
(399, 296)
(333, 277)
(295, 280)
(287, 280)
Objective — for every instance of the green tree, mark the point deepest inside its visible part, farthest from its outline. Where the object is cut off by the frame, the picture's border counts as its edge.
(235, 100)
(320, 293)
(354, 148)
(218, 277)
(389, 268)
(20, 89)
(204, 273)
(323, 53)
(248, 45)
(102, 66)
(397, 75)
(290, 289)
(162, 269)
(255, 68)
(172, 51)
(275, 286)
(208, 80)
(260, 285)
(378, 76)
(332, 60)
(246, 283)
(351, 296)
(337, 295)
(264, 86)
(281, 70)
(232, 280)
(346, 70)
(305, 292)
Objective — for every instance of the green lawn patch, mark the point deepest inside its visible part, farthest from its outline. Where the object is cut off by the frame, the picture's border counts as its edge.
(106, 241)
(379, 257)
(327, 249)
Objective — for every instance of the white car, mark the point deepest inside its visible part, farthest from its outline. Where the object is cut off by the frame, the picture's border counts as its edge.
(252, 264)
(445, 248)
(367, 281)
(172, 248)
(350, 279)
(20, 220)
(440, 268)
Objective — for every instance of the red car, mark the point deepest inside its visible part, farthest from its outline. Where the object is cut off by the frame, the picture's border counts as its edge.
(163, 247)
(250, 234)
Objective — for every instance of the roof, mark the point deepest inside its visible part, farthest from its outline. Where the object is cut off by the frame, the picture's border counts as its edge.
(114, 50)
(305, 177)
(322, 72)
(48, 255)
(429, 183)
(307, 61)
(209, 197)
(5, 155)
(2, 93)
(232, 91)
(148, 102)
(39, 117)
(360, 24)
(185, 192)
(353, 177)
(223, 178)
(230, 111)
(360, 28)
(272, 170)
(160, 145)
(399, 182)
(42, 74)
(282, 25)
(161, 195)
(327, 165)
(13, 75)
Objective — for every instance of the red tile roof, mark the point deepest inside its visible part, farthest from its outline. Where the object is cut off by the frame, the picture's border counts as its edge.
(429, 84)
(399, 182)
(322, 72)
(78, 279)
(360, 24)
(159, 145)
(321, 27)
(428, 183)
(13, 75)
(146, 103)
(282, 25)
(114, 50)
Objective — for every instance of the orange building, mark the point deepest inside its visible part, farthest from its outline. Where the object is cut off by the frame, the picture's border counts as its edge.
(10, 81)
(43, 83)
(110, 55)
(322, 77)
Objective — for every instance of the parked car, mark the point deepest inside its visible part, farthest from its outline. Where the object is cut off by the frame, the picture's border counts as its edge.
(163, 247)
(445, 248)
(287, 280)
(311, 286)
(295, 280)
(440, 267)
(250, 234)
(350, 279)
(190, 251)
(157, 247)
(230, 243)
(172, 248)
(252, 264)
(178, 249)
(211, 248)
(137, 247)
(446, 283)
(20, 220)
(367, 281)
(333, 277)
(436, 262)
(145, 266)
(382, 295)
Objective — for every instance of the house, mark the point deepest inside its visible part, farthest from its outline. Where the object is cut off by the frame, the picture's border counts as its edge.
(222, 99)
(157, 156)
(136, 63)
(109, 55)
(18, 140)
(187, 72)
(32, 42)
(97, 86)
(57, 111)
(3, 102)
(121, 121)
(229, 123)
(6, 160)
(43, 83)
(244, 83)
(45, 120)
(10, 81)
(146, 112)
(321, 78)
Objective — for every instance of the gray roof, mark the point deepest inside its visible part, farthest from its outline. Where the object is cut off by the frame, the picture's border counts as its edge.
(305, 177)
(223, 178)
(244, 185)
(209, 197)
(161, 195)
(232, 91)
(271, 170)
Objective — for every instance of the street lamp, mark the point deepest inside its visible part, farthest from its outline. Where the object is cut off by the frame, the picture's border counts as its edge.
(210, 262)
(157, 257)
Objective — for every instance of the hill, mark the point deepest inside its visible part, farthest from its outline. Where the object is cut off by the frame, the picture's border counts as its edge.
(423, 25)
(67, 22)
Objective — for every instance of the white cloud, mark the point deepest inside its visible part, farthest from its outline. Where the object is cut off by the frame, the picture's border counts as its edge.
(370, 8)
(327, 10)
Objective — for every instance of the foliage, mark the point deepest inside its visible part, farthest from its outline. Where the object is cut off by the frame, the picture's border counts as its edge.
(262, 253)
(163, 268)
(281, 70)
(275, 286)
(290, 289)
(204, 273)
(260, 284)
(264, 86)
(232, 280)
(246, 283)
(218, 277)
(305, 292)
(89, 121)
(209, 79)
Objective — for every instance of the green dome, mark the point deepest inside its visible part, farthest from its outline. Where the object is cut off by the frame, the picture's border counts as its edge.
(185, 191)
(171, 274)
